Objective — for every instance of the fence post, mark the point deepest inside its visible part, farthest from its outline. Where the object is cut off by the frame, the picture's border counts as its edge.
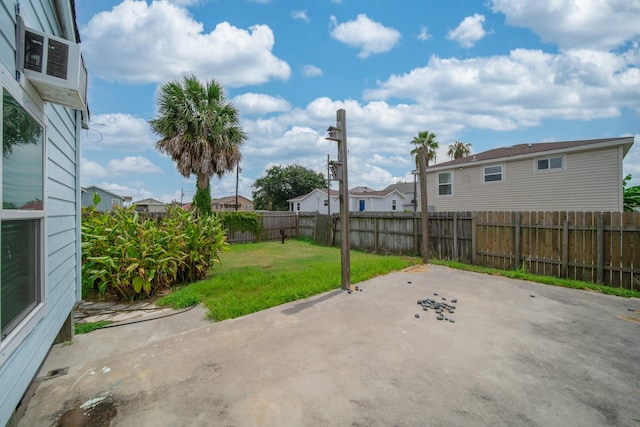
(565, 249)
(517, 240)
(600, 249)
(375, 234)
(455, 236)
(415, 233)
(474, 225)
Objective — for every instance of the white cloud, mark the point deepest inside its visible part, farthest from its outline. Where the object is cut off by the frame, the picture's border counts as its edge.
(118, 131)
(140, 43)
(90, 170)
(424, 34)
(521, 89)
(137, 192)
(132, 165)
(311, 71)
(301, 15)
(371, 37)
(587, 24)
(469, 31)
(257, 104)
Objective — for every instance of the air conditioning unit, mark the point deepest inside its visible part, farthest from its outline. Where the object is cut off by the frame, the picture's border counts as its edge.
(55, 68)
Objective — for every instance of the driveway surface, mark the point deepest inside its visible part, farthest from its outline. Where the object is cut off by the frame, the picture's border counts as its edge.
(519, 353)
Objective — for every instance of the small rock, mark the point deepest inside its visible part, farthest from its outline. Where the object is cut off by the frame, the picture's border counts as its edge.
(532, 296)
(435, 293)
(452, 321)
(440, 317)
(409, 282)
(417, 316)
(349, 291)
(631, 309)
(425, 308)
(455, 300)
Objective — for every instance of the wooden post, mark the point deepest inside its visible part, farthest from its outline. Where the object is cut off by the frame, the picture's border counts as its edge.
(341, 123)
(474, 239)
(455, 236)
(424, 204)
(600, 249)
(517, 241)
(565, 249)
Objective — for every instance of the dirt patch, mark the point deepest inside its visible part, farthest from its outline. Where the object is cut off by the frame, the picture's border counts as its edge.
(97, 412)
(630, 318)
(417, 268)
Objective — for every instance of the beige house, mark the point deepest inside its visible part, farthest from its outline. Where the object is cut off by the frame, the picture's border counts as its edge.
(150, 206)
(581, 175)
(229, 204)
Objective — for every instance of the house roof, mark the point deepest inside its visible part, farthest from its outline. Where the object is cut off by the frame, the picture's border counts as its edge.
(536, 149)
(355, 191)
(95, 187)
(230, 199)
(149, 202)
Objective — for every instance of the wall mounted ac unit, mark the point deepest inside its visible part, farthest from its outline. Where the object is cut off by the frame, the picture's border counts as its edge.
(55, 68)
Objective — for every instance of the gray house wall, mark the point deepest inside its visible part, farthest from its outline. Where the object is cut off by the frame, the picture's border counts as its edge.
(591, 180)
(24, 349)
(107, 199)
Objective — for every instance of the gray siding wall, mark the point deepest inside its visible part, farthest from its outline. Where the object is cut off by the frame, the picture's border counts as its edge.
(106, 199)
(62, 218)
(590, 181)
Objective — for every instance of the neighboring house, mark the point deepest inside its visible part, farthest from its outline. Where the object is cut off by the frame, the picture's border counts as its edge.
(150, 206)
(229, 204)
(107, 199)
(409, 189)
(361, 199)
(581, 175)
(44, 108)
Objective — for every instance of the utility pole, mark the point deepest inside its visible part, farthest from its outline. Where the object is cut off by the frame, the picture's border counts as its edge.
(328, 187)
(237, 176)
(424, 204)
(338, 133)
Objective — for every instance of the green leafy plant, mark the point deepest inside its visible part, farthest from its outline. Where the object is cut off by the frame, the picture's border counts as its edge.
(133, 256)
(631, 195)
(242, 221)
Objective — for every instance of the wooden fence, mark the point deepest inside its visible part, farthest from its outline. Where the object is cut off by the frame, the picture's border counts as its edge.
(274, 223)
(601, 247)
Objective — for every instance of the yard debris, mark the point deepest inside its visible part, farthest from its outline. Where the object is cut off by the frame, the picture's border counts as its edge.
(439, 307)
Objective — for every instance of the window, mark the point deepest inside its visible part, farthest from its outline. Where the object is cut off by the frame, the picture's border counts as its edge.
(393, 205)
(549, 163)
(116, 202)
(445, 186)
(493, 173)
(298, 206)
(21, 216)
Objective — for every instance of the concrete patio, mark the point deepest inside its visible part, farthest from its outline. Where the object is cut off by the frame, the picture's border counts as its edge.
(519, 353)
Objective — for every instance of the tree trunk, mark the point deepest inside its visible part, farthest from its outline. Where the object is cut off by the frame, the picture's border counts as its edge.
(203, 181)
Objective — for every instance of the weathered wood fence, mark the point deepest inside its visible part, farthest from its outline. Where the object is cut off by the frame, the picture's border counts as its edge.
(601, 247)
(274, 223)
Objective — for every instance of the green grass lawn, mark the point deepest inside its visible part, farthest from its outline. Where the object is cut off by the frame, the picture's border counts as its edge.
(255, 276)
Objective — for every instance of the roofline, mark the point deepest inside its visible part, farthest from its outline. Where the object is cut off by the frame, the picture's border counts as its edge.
(102, 189)
(626, 141)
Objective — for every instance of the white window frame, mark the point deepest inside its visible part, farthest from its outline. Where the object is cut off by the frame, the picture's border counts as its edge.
(33, 104)
(502, 173)
(450, 184)
(394, 204)
(549, 169)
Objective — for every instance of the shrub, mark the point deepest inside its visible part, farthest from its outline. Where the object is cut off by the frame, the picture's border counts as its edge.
(133, 255)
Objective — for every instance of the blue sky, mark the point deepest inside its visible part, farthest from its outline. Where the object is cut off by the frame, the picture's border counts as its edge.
(493, 73)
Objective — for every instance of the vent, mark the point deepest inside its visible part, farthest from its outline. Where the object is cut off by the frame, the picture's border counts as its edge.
(55, 68)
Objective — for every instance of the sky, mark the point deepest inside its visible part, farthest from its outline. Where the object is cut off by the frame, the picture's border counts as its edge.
(490, 73)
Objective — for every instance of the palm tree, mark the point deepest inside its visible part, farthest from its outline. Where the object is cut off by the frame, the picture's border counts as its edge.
(427, 140)
(459, 149)
(200, 131)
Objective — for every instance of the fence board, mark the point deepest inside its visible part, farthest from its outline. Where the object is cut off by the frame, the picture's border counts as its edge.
(561, 244)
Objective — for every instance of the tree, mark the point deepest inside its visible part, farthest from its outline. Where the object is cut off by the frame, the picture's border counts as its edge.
(200, 131)
(631, 196)
(459, 149)
(427, 140)
(280, 184)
